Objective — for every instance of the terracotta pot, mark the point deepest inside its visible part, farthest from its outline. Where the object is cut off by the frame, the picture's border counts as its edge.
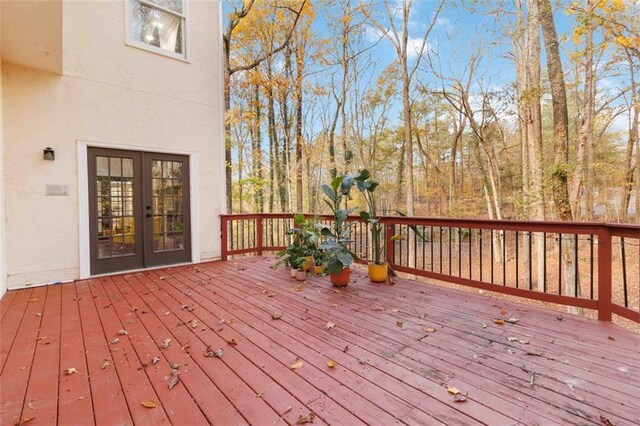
(301, 275)
(341, 279)
(378, 273)
(293, 272)
(318, 269)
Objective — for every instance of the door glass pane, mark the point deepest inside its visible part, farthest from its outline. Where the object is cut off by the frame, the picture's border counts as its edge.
(115, 203)
(167, 205)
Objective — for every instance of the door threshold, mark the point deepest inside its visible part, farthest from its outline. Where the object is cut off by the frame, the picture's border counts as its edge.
(133, 271)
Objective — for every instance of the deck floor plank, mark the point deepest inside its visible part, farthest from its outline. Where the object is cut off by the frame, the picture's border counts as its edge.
(234, 365)
(389, 370)
(18, 361)
(41, 401)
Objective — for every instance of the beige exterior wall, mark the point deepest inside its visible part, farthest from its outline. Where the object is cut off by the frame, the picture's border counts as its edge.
(114, 94)
(3, 269)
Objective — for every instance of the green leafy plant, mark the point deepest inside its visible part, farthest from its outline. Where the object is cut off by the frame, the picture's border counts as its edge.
(337, 237)
(305, 240)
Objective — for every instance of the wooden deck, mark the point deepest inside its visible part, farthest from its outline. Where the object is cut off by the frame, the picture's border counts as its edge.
(390, 366)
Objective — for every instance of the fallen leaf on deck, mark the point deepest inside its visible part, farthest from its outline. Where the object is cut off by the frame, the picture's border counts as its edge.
(32, 300)
(241, 268)
(523, 341)
(512, 320)
(460, 397)
(232, 342)
(498, 321)
(165, 343)
(453, 390)
(511, 351)
(334, 305)
(605, 421)
(429, 330)
(400, 323)
(185, 347)
(306, 419)
(194, 324)
(271, 295)
(560, 318)
(24, 420)
(123, 332)
(105, 364)
(174, 381)
(503, 311)
(276, 316)
(70, 371)
(329, 325)
(297, 364)
(345, 349)
(155, 360)
(299, 287)
(612, 338)
(395, 310)
(484, 325)
(114, 341)
(331, 363)
(150, 404)
(512, 339)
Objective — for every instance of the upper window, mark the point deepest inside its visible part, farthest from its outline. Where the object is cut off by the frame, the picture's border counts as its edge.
(158, 25)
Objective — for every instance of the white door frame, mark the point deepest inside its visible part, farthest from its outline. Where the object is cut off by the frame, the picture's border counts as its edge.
(83, 198)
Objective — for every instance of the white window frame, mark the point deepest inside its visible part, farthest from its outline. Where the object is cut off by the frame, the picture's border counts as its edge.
(186, 34)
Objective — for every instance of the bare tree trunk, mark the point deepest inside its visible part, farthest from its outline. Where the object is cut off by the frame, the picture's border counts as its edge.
(631, 142)
(559, 179)
(299, 56)
(256, 150)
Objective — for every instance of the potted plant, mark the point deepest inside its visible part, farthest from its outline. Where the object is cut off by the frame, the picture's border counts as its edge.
(304, 240)
(319, 261)
(339, 257)
(378, 269)
(299, 268)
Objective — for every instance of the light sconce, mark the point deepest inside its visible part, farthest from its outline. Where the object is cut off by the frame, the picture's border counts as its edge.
(48, 154)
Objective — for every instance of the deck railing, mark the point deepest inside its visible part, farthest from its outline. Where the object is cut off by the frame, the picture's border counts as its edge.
(583, 265)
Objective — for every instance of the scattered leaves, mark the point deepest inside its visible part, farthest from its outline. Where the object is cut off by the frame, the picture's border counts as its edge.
(484, 325)
(612, 338)
(498, 321)
(32, 300)
(329, 325)
(105, 364)
(605, 421)
(429, 330)
(334, 305)
(395, 310)
(165, 343)
(194, 324)
(503, 311)
(150, 404)
(299, 363)
(460, 397)
(512, 320)
(299, 287)
(400, 323)
(452, 390)
(155, 360)
(306, 419)
(123, 332)
(276, 316)
(242, 268)
(185, 347)
(174, 381)
(24, 420)
(115, 341)
(345, 349)
(331, 363)
(232, 342)
(70, 371)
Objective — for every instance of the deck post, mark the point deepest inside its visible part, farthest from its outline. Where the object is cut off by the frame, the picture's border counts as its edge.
(604, 275)
(259, 235)
(389, 232)
(224, 236)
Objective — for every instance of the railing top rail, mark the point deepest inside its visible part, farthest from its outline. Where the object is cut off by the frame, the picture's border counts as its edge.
(618, 229)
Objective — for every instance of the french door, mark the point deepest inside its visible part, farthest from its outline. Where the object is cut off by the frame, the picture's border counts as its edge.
(139, 209)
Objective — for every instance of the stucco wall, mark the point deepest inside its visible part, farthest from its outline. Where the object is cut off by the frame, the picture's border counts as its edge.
(108, 93)
(3, 269)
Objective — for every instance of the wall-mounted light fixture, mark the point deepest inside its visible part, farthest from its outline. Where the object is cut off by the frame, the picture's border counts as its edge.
(48, 154)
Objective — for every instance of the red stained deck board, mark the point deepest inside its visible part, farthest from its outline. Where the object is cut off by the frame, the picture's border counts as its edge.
(41, 401)
(134, 381)
(17, 363)
(234, 365)
(106, 391)
(336, 353)
(403, 377)
(177, 402)
(622, 394)
(194, 367)
(358, 405)
(423, 390)
(74, 395)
